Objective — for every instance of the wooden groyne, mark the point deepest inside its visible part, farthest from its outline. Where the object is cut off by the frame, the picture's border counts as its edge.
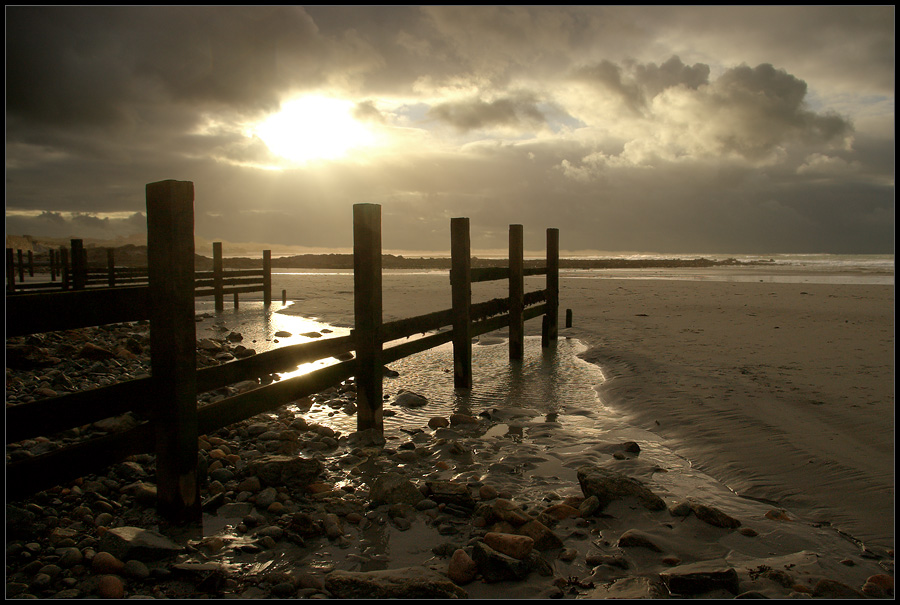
(166, 403)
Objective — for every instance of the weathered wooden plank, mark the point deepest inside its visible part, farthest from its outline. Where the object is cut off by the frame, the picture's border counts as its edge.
(516, 292)
(216, 415)
(368, 315)
(25, 477)
(461, 292)
(53, 311)
(552, 286)
(404, 328)
(283, 359)
(173, 346)
(267, 277)
(418, 345)
(217, 276)
(47, 417)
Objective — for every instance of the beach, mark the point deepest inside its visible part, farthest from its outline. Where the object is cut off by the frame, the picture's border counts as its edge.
(758, 411)
(782, 391)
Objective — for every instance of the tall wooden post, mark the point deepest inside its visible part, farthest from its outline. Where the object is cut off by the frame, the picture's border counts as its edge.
(267, 277)
(111, 267)
(30, 263)
(10, 270)
(21, 266)
(64, 268)
(53, 263)
(516, 292)
(368, 315)
(552, 314)
(79, 265)
(461, 289)
(173, 346)
(218, 277)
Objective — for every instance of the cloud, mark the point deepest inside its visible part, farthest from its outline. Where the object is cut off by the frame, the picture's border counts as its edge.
(666, 128)
(519, 110)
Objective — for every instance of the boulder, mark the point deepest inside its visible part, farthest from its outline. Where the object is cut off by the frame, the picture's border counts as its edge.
(699, 578)
(608, 485)
(136, 543)
(408, 399)
(394, 488)
(495, 566)
(288, 471)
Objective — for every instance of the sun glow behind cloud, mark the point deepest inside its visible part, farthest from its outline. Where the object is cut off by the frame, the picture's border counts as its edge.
(313, 128)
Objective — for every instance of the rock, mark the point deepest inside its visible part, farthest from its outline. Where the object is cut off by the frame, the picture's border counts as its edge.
(516, 546)
(608, 485)
(438, 422)
(505, 510)
(136, 543)
(713, 516)
(462, 568)
(698, 578)
(832, 589)
(402, 583)
(106, 563)
(18, 522)
(495, 566)
(394, 488)
(450, 492)
(136, 569)
(631, 588)
(110, 587)
(487, 492)
(558, 512)
(287, 471)
(634, 538)
(95, 353)
(544, 539)
(885, 581)
(462, 419)
(409, 399)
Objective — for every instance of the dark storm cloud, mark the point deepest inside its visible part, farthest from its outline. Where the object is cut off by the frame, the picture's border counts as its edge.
(662, 128)
(474, 114)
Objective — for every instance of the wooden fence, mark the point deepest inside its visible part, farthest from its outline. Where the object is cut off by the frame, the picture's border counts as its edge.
(68, 269)
(166, 402)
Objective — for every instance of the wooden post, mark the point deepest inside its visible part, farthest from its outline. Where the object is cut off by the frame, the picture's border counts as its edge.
(64, 265)
(267, 277)
(235, 300)
(516, 292)
(79, 265)
(218, 267)
(54, 266)
(461, 289)
(568, 318)
(111, 267)
(30, 263)
(173, 346)
(284, 297)
(367, 308)
(552, 314)
(21, 266)
(10, 270)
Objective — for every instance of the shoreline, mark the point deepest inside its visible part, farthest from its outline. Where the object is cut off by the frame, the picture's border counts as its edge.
(661, 344)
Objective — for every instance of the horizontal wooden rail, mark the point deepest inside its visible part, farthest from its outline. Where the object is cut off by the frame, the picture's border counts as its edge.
(277, 360)
(216, 415)
(25, 477)
(54, 311)
(483, 274)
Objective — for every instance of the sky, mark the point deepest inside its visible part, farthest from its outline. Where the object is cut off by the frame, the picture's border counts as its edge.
(667, 129)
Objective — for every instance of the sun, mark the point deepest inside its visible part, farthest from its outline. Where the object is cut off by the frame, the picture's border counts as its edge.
(314, 128)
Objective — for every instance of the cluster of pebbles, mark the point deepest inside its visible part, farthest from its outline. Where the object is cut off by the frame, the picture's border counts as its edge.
(282, 488)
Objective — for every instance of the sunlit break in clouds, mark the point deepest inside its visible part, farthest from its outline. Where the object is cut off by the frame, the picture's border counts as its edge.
(313, 127)
(655, 129)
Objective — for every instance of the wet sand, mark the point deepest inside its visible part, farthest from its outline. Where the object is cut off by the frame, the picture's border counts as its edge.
(781, 391)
